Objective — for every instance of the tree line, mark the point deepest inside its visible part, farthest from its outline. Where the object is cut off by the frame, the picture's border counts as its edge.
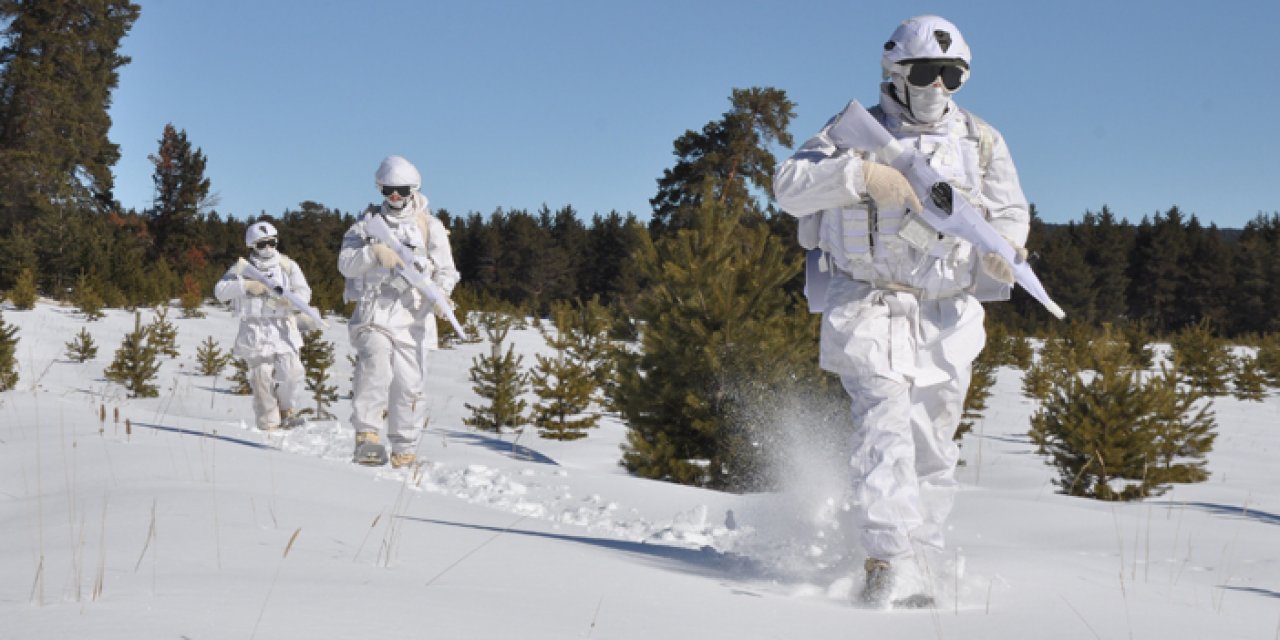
(1167, 272)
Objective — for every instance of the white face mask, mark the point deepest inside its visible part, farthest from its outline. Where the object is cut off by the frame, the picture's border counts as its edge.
(265, 255)
(928, 104)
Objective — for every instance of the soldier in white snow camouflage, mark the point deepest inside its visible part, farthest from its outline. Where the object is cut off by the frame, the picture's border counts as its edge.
(269, 340)
(902, 308)
(393, 325)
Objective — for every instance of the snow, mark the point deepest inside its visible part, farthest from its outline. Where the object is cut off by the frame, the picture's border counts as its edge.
(197, 526)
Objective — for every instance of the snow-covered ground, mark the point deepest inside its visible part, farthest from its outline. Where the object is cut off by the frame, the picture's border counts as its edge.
(197, 526)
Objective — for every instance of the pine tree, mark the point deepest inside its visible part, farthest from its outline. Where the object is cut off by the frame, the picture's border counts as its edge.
(87, 299)
(563, 382)
(58, 67)
(720, 336)
(1182, 433)
(82, 348)
(1062, 266)
(1108, 242)
(17, 252)
(182, 193)
(240, 377)
(725, 162)
(462, 303)
(210, 358)
(317, 358)
(982, 379)
(1158, 269)
(135, 363)
(499, 381)
(314, 239)
(1255, 300)
(606, 270)
(1268, 358)
(1204, 361)
(1250, 382)
(1002, 348)
(24, 292)
(191, 298)
(1205, 292)
(1139, 339)
(8, 355)
(163, 334)
(1114, 435)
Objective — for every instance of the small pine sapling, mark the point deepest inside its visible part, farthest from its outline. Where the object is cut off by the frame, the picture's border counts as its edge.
(317, 358)
(982, 379)
(82, 348)
(163, 334)
(8, 355)
(1268, 357)
(499, 381)
(210, 358)
(240, 377)
(135, 363)
(563, 382)
(1116, 434)
(191, 297)
(86, 298)
(24, 292)
(1204, 361)
(1249, 381)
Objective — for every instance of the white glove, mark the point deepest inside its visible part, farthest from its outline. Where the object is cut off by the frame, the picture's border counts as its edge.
(255, 288)
(998, 268)
(888, 187)
(386, 256)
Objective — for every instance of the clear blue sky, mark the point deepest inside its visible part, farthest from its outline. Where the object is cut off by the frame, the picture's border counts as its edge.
(1136, 105)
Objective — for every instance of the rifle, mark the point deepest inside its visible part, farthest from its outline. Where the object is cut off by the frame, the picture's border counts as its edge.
(945, 211)
(243, 267)
(376, 225)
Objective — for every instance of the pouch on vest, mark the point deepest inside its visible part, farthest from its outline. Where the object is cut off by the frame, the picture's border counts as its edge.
(817, 277)
(807, 230)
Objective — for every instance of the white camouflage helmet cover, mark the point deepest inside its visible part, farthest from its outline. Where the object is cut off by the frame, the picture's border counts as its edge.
(395, 171)
(258, 231)
(931, 37)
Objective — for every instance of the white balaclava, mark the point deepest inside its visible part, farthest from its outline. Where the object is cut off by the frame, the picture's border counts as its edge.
(924, 39)
(395, 171)
(928, 104)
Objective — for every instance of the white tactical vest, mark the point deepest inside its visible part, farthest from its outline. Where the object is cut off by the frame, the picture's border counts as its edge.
(891, 247)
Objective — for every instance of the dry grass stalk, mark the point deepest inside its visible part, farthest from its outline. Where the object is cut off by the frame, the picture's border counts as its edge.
(274, 578)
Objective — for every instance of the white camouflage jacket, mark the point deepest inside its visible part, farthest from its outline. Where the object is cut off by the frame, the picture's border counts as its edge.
(385, 300)
(823, 186)
(267, 325)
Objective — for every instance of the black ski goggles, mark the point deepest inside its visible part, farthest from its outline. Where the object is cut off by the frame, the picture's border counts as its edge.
(264, 243)
(403, 191)
(924, 72)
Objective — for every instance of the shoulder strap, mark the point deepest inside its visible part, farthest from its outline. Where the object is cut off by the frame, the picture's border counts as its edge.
(424, 226)
(979, 129)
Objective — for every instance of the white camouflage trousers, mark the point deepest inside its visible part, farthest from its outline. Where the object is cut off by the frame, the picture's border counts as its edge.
(906, 365)
(388, 381)
(275, 381)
